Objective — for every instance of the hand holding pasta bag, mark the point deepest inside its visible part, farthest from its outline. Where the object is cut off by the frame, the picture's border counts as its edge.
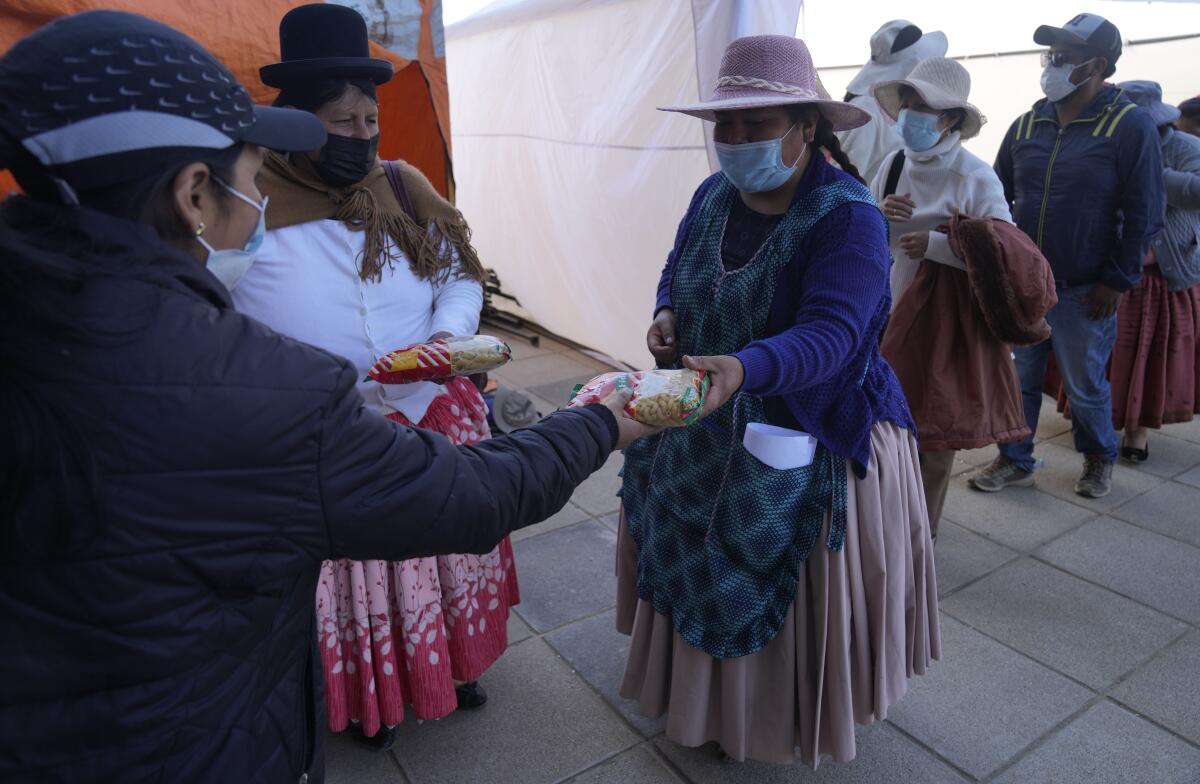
(441, 358)
(658, 398)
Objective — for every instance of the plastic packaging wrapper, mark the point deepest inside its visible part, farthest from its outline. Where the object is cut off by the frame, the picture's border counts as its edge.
(661, 398)
(441, 359)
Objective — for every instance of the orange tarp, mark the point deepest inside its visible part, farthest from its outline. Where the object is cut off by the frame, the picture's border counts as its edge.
(414, 106)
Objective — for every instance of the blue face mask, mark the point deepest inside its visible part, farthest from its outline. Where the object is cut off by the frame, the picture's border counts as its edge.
(918, 130)
(756, 167)
(230, 264)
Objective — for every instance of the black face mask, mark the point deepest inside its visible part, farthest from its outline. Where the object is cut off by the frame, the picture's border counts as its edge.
(346, 160)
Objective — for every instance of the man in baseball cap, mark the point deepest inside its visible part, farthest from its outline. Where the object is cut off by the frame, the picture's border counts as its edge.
(1083, 173)
(1088, 34)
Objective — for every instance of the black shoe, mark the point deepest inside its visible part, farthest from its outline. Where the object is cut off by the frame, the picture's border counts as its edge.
(1135, 455)
(380, 741)
(470, 696)
(724, 758)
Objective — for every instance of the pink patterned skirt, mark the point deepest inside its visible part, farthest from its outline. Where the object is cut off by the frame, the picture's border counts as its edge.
(400, 633)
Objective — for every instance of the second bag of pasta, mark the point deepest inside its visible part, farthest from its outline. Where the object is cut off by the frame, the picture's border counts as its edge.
(442, 359)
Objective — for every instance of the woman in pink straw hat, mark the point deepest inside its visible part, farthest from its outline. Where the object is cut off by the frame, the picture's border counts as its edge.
(775, 568)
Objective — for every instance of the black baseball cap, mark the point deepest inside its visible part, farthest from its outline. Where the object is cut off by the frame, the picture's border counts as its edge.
(105, 97)
(1087, 30)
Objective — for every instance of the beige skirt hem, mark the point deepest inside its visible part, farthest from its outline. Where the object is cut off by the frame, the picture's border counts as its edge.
(864, 622)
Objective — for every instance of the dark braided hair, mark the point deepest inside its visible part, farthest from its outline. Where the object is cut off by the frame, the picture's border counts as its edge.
(825, 138)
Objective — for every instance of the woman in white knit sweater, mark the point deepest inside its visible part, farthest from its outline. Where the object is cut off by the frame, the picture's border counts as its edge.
(923, 185)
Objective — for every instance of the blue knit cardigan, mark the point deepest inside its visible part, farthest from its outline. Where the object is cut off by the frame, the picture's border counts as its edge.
(819, 367)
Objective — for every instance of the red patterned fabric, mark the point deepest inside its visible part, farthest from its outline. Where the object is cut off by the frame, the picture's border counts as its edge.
(400, 633)
(1155, 364)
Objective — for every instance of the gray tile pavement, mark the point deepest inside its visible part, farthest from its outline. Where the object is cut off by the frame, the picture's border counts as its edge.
(1148, 567)
(964, 556)
(984, 703)
(597, 651)
(1173, 509)
(542, 724)
(1071, 643)
(566, 575)
(1020, 518)
(1167, 689)
(1108, 745)
(1079, 629)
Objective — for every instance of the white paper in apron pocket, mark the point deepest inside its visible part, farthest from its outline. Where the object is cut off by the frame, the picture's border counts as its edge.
(779, 447)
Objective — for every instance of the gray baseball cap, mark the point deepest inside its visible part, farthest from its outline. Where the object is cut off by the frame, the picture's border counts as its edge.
(1088, 30)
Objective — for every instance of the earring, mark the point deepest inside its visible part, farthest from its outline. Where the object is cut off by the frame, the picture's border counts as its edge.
(200, 229)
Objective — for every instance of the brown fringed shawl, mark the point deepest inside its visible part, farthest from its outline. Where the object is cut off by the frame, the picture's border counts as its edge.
(431, 242)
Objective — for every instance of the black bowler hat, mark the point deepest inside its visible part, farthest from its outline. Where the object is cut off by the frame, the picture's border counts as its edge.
(324, 41)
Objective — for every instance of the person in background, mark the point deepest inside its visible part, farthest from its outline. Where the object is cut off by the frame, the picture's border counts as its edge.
(1154, 371)
(172, 472)
(359, 268)
(1189, 116)
(1083, 171)
(896, 48)
(921, 187)
(772, 605)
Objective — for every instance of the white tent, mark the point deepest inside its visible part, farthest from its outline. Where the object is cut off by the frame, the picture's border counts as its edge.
(574, 184)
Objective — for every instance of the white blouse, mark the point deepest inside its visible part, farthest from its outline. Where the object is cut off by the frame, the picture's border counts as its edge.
(304, 283)
(941, 180)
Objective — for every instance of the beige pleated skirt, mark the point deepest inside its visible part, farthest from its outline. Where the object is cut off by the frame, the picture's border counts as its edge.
(864, 622)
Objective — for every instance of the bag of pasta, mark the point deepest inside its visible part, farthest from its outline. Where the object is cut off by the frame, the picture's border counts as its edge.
(441, 359)
(661, 398)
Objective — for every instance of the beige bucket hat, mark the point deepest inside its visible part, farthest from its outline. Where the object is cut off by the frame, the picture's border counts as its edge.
(941, 83)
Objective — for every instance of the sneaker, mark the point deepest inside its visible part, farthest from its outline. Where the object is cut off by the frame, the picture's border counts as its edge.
(999, 475)
(1096, 481)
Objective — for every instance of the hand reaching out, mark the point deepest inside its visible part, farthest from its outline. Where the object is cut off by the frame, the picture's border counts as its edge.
(630, 430)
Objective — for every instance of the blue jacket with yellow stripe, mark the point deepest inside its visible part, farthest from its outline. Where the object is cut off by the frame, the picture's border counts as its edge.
(1091, 193)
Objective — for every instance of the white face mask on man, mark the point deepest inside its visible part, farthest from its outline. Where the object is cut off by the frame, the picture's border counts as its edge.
(1056, 80)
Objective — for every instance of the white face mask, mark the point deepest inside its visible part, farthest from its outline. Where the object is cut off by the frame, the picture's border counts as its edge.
(1056, 81)
(231, 264)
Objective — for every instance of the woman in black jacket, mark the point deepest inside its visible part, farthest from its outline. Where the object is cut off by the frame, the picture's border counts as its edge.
(172, 473)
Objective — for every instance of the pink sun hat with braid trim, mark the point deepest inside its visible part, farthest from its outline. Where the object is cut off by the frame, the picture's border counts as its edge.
(771, 70)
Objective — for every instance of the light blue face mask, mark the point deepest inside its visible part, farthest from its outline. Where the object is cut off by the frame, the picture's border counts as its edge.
(918, 130)
(230, 264)
(756, 167)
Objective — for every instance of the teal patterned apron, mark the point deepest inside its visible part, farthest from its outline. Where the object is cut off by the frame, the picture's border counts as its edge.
(721, 535)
